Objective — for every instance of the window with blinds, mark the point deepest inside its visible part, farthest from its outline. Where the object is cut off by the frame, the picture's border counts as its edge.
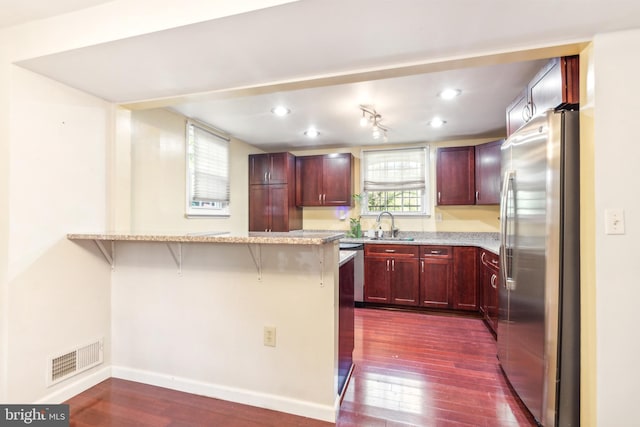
(395, 180)
(207, 171)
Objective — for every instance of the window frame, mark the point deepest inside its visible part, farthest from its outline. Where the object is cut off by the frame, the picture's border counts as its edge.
(204, 212)
(426, 193)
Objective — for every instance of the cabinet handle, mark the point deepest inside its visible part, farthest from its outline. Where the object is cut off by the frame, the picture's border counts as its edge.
(269, 176)
(324, 198)
(390, 251)
(265, 177)
(387, 265)
(393, 265)
(493, 281)
(320, 198)
(483, 258)
(438, 197)
(422, 263)
(436, 252)
(477, 196)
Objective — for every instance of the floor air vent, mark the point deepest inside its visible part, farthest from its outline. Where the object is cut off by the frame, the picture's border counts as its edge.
(73, 362)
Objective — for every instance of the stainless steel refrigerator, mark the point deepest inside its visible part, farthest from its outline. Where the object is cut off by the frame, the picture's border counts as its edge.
(539, 296)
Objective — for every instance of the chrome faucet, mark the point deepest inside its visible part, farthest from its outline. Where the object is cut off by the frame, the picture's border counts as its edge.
(394, 230)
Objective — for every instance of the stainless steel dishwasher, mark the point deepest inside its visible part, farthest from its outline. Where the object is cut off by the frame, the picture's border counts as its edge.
(358, 271)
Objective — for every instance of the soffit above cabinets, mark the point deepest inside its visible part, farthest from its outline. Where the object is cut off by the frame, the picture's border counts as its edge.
(324, 58)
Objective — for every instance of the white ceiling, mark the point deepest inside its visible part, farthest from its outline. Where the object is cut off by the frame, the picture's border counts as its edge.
(16, 12)
(323, 58)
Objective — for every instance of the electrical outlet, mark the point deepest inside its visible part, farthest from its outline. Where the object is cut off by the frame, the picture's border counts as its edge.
(270, 336)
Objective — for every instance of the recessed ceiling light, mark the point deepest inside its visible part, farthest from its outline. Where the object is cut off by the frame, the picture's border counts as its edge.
(449, 93)
(436, 122)
(280, 110)
(312, 133)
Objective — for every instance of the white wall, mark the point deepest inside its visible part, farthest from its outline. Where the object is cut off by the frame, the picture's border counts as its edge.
(157, 178)
(58, 292)
(616, 112)
(202, 330)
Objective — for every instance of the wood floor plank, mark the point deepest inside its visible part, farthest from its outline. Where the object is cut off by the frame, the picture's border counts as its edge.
(411, 369)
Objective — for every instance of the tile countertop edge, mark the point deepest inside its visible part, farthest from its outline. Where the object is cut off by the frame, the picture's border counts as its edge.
(294, 238)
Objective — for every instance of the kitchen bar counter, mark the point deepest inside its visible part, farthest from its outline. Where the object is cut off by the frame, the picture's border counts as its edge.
(290, 238)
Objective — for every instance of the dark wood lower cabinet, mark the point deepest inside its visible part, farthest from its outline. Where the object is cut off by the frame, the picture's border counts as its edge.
(443, 277)
(346, 337)
(391, 274)
(489, 283)
(404, 281)
(465, 279)
(436, 273)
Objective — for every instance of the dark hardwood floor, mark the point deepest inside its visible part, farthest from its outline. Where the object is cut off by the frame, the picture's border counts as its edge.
(412, 369)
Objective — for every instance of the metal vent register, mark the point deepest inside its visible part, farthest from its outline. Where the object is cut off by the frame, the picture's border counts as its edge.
(75, 361)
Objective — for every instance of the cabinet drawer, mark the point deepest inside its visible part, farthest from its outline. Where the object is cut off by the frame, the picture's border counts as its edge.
(489, 259)
(435, 251)
(391, 250)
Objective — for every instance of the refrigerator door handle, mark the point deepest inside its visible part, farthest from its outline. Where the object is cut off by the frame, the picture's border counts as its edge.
(509, 176)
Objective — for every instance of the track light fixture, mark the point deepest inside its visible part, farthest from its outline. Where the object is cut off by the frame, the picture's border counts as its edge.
(370, 117)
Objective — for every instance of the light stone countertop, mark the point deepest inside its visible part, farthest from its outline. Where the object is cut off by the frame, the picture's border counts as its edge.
(290, 238)
(346, 256)
(488, 241)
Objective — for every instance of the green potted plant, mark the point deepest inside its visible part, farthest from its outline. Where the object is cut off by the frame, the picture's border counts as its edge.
(355, 228)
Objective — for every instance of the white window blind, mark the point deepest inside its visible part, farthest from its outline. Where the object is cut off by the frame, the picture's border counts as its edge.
(208, 170)
(395, 180)
(395, 170)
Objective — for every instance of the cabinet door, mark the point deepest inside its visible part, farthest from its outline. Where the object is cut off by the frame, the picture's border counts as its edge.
(272, 168)
(546, 88)
(405, 281)
(517, 112)
(465, 279)
(280, 164)
(336, 180)
(259, 165)
(279, 204)
(435, 282)
(488, 161)
(376, 279)
(259, 208)
(309, 181)
(455, 175)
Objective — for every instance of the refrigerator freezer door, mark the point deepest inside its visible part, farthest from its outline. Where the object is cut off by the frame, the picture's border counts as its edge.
(532, 217)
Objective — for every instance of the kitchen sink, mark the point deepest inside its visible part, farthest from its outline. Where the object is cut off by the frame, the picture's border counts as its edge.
(392, 239)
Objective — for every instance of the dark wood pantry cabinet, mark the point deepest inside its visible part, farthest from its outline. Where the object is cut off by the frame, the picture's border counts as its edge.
(324, 180)
(272, 193)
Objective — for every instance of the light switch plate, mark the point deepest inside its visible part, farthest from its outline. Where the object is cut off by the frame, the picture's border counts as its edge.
(614, 221)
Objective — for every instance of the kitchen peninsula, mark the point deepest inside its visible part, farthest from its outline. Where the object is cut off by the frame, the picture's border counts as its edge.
(201, 329)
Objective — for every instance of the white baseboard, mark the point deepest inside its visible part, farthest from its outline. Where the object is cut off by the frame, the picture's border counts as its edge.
(66, 392)
(246, 397)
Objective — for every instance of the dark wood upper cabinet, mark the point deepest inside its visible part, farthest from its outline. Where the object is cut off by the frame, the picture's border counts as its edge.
(455, 176)
(272, 193)
(324, 180)
(557, 85)
(488, 161)
(271, 168)
(469, 175)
